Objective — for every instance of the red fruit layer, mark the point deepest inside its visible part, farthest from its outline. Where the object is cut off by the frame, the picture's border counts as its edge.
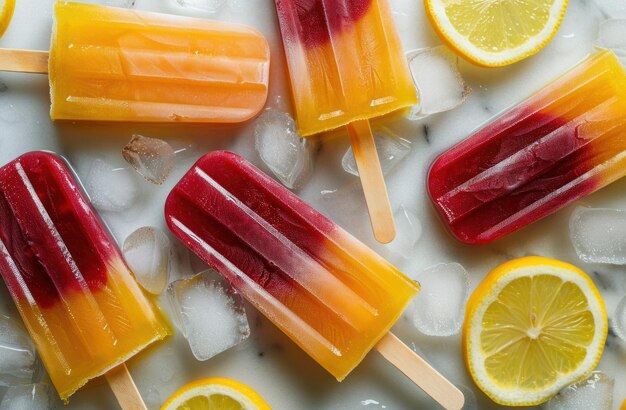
(312, 22)
(51, 233)
(217, 220)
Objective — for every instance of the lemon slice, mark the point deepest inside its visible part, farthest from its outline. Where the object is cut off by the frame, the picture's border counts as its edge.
(533, 326)
(215, 394)
(6, 14)
(496, 32)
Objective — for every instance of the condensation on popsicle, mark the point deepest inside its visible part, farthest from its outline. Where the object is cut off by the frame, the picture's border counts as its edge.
(113, 64)
(67, 277)
(345, 61)
(563, 143)
(328, 292)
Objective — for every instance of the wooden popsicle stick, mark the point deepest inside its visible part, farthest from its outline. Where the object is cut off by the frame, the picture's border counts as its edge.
(420, 372)
(372, 180)
(124, 388)
(24, 61)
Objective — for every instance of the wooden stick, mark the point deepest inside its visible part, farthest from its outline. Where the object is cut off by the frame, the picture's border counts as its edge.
(124, 388)
(372, 180)
(24, 61)
(420, 372)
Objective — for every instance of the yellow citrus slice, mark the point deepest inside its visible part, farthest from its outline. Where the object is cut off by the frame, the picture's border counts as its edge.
(6, 14)
(533, 326)
(215, 394)
(496, 32)
(623, 407)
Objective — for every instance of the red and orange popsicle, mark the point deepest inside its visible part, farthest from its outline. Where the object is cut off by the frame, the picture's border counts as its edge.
(328, 292)
(561, 144)
(80, 303)
(346, 67)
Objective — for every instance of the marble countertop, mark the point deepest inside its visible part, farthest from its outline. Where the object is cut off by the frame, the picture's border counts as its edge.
(268, 360)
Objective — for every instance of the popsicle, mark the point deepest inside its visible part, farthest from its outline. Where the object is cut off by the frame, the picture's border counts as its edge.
(346, 66)
(113, 64)
(328, 292)
(80, 303)
(563, 143)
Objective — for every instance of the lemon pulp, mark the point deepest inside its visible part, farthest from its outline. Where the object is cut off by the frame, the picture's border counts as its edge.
(538, 329)
(498, 25)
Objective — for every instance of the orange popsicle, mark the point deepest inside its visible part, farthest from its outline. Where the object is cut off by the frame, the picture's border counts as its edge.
(112, 64)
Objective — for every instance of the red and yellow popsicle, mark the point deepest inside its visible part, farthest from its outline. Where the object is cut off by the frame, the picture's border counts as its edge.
(347, 66)
(561, 144)
(66, 275)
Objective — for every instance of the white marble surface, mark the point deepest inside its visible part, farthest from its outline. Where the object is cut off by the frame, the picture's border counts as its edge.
(268, 361)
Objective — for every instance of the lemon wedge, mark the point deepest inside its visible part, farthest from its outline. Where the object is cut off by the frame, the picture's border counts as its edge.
(496, 32)
(533, 326)
(6, 14)
(215, 394)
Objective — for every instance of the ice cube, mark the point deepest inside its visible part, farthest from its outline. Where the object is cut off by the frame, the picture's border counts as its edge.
(599, 235)
(18, 359)
(439, 307)
(212, 6)
(437, 80)
(209, 313)
(595, 392)
(147, 252)
(619, 321)
(151, 157)
(287, 154)
(110, 188)
(28, 397)
(391, 151)
(408, 232)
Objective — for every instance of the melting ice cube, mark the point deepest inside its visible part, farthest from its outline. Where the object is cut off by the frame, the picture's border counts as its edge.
(619, 321)
(391, 151)
(28, 397)
(209, 313)
(18, 360)
(287, 154)
(147, 252)
(599, 235)
(595, 392)
(408, 232)
(110, 188)
(211, 6)
(151, 157)
(439, 84)
(439, 307)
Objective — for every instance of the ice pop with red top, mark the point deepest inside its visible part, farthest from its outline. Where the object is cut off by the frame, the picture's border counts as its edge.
(561, 144)
(345, 61)
(347, 66)
(328, 292)
(66, 275)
